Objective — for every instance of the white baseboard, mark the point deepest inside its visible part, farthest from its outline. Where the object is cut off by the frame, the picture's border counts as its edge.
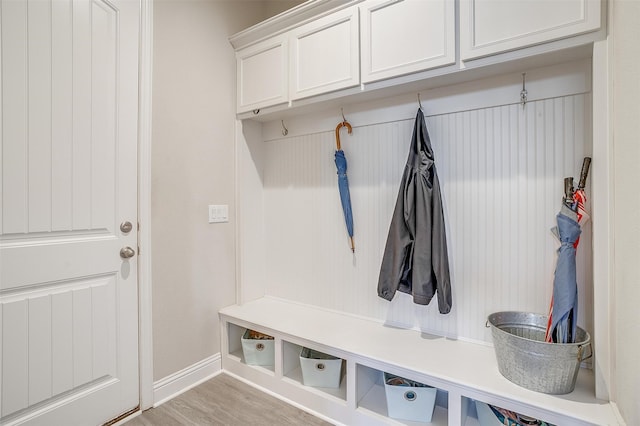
(185, 379)
(617, 413)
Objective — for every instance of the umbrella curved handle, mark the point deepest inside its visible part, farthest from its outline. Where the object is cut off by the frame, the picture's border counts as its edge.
(346, 124)
(584, 172)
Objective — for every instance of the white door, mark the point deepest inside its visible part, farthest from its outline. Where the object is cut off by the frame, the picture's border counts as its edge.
(68, 300)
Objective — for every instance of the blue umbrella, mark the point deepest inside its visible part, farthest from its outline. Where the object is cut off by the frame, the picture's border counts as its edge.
(343, 183)
(565, 287)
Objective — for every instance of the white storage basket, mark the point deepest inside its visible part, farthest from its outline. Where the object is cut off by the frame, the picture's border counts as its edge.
(409, 400)
(319, 369)
(486, 417)
(258, 351)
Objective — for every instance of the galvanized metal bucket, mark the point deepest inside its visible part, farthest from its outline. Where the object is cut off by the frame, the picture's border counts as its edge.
(527, 360)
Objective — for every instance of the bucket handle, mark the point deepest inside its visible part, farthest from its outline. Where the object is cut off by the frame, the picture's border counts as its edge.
(584, 355)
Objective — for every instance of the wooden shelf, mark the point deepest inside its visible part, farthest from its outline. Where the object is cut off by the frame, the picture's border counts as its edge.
(461, 368)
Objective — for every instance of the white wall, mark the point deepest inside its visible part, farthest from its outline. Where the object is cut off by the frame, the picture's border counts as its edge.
(274, 7)
(193, 269)
(626, 151)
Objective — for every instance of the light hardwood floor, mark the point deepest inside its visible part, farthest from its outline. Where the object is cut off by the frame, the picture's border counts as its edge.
(226, 401)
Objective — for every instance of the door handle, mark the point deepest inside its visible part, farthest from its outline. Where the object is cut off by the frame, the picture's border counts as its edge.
(127, 252)
(126, 227)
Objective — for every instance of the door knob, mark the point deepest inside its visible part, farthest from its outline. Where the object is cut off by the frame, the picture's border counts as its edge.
(127, 252)
(126, 227)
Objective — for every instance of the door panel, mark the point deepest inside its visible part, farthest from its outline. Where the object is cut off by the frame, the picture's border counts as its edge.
(61, 109)
(68, 301)
(72, 157)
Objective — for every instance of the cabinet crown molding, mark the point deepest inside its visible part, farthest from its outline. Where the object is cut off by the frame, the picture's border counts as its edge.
(294, 17)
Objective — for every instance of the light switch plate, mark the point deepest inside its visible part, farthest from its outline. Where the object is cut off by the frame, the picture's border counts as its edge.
(218, 213)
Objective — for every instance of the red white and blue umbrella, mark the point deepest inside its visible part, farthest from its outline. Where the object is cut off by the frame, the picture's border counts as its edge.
(563, 312)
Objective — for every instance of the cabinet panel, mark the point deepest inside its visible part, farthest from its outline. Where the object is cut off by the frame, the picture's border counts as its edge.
(325, 54)
(262, 74)
(492, 26)
(400, 37)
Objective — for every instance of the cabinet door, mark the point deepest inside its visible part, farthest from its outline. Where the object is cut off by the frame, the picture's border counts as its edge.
(405, 36)
(325, 55)
(262, 74)
(493, 26)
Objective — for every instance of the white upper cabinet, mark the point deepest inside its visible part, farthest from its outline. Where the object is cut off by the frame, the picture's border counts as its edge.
(263, 74)
(308, 52)
(406, 36)
(494, 26)
(324, 54)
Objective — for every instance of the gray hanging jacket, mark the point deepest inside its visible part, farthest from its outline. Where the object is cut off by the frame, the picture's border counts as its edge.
(415, 257)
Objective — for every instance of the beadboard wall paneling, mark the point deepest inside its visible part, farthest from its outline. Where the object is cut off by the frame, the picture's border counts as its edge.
(501, 170)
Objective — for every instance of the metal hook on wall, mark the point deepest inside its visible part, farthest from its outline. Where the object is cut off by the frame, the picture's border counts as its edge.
(419, 102)
(344, 123)
(523, 93)
(285, 131)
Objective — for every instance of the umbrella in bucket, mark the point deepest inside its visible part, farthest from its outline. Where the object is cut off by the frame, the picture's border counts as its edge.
(563, 313)
(343, 182)
(579, 196)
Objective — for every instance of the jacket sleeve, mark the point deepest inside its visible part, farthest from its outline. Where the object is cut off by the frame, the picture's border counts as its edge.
(422, 271)
(430, 267)
(397, 251)
(439, 254)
